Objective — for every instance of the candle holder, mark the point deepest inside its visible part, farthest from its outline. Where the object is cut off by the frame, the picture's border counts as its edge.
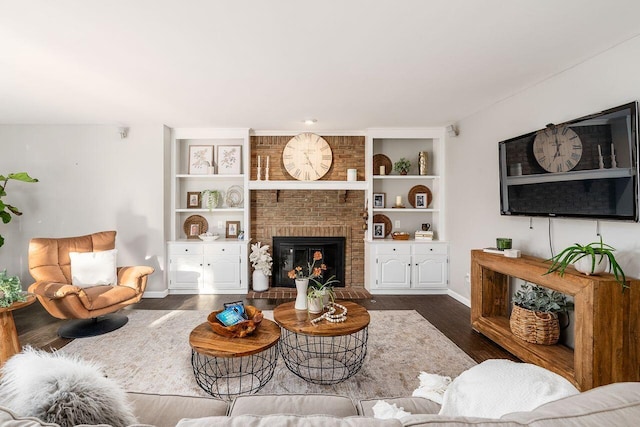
(266, 174)
(258, 173)
(600, 162)
(614, 164)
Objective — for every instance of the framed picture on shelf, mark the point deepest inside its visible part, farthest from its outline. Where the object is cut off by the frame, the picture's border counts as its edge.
(229, 159)
(194, 231)
(194, 200)
(379, 200)
(232, 229)
(421, 200)
(378, 230)
(200, 158)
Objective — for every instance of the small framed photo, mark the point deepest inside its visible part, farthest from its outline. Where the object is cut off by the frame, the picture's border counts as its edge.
(194, 200)
(200, 158)
(421, 200)
(233, 229)
(194, 231)
(379, 200)
(230, 159)
(378, 230)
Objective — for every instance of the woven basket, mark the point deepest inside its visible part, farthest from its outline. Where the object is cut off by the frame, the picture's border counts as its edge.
(535, 326)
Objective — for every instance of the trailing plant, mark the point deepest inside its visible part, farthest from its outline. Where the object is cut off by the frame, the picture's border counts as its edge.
(5, 209)
(212, 198)
(577, 251)
(10, 290)
(537, 298)
(402, 166)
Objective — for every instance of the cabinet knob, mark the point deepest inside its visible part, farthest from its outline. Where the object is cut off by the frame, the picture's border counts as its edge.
(222, 249)
(431, 249)
(186, 250)
(394, 249)
(200, 265)
(209, 265)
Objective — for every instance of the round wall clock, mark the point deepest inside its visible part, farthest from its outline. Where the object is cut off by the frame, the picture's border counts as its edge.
(557, 149)
(307, 157)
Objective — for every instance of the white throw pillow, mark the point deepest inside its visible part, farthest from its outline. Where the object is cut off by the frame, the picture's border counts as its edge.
(498, 387)
(93, 268)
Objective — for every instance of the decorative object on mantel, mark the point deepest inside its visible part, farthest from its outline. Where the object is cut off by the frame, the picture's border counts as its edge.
(402, 166)
(262, 262)
(234, 196)
(194, 226)
(302, 279)
(380, 218)
(381, 161)
(588, 259)
(419, 189)
(307, 157)
(534, 317)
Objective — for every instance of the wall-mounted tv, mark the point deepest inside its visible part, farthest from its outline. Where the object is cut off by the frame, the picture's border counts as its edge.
(583, 168)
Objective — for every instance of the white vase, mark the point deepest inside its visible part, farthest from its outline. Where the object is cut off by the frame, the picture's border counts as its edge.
(583, 265)
(316, 304)
(260, 281)
(301, 296)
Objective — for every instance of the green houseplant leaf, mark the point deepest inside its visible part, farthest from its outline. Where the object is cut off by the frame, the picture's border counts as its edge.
(7, 210)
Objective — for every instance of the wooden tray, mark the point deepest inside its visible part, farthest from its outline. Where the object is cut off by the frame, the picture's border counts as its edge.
(417, 189)
(381, 160)
(377, 218)
(198, 220)
(400, 236)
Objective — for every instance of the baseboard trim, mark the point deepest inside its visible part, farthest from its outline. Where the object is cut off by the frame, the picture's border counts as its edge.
(456, 296)
(156, 294)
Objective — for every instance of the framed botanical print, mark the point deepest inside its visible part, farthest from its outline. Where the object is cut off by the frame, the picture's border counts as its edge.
(378, 200)
(229, 159)
(378, 230)
(194, 200)
(233, 229)
(200, 158)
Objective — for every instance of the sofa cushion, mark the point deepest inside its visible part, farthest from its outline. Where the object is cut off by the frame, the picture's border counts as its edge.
(610, 405)
(413, 405)
(166, 410)
(287, 420)
(296, 404)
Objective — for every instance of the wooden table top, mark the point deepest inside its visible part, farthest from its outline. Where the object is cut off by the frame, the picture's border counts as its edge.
(205, 341)
(299, 321)
(31, 298)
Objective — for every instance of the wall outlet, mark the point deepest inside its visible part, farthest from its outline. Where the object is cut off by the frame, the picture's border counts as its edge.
(397, 224)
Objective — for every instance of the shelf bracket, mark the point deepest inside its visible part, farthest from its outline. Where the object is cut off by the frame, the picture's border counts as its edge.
(342, 196)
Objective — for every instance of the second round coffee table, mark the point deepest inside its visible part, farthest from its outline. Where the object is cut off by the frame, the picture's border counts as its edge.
(228, 367)
(325, 353)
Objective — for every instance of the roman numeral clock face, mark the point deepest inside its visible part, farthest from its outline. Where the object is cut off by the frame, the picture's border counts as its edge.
(557, 149)
(307, 157)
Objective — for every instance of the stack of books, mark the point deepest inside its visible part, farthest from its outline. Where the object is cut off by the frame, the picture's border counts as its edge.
(424, 235)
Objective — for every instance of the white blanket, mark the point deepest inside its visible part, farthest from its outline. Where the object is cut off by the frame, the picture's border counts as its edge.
(498, 387)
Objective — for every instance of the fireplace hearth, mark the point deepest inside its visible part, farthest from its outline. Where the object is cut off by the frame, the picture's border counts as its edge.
(290, 251)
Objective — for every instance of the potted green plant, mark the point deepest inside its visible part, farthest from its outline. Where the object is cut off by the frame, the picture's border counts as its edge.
(534, 317)
(319, 294)
(10, 290)
(588, 259)
(402, 166)
(5, 209)
(212, 198)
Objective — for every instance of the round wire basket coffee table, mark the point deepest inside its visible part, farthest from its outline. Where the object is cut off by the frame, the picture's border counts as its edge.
(228, 367)
(324, 353)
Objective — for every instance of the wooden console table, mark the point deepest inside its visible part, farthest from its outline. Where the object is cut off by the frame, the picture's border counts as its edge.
(606, 326)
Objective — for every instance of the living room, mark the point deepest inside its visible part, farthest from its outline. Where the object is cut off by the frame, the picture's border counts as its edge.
(63, 108)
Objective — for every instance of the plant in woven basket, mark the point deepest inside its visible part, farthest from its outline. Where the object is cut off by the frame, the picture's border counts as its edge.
(588, 259)
(534, 317)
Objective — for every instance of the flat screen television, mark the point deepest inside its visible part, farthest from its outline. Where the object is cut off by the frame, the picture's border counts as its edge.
(583, 168)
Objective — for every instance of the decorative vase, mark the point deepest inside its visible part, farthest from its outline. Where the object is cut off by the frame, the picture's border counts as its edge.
(584, 265)
(316, 304)
(260, 281)
(301, 296)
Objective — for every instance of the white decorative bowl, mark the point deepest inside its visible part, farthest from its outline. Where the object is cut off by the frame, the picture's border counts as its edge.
(208, 237)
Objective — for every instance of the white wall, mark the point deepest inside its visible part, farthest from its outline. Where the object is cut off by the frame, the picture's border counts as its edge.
(90, 180)
(474, 221)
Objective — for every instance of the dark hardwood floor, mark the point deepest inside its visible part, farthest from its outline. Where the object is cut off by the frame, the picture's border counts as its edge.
(37, 328)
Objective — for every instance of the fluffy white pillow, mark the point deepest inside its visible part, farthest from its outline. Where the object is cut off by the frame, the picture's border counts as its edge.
(498, 387)
(93, 268)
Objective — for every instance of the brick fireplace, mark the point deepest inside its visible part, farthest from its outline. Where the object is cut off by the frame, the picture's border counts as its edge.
(313, 212)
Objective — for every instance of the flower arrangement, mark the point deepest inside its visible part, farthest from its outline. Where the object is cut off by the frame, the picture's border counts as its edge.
(312, 270)
(10, 290)
(260, 258)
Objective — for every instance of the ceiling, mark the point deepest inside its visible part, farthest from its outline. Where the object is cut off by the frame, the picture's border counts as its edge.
(269, 64)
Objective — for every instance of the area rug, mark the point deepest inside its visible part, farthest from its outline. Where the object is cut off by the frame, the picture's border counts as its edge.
(151, 354)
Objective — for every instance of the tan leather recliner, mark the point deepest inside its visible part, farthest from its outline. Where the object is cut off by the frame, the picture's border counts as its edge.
(92, 307)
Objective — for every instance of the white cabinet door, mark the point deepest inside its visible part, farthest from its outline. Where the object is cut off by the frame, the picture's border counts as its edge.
(429, 271)
(393, 271)
(185, 271)
(222, 272)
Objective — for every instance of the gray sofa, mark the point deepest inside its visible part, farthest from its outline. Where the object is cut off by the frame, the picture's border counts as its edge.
(611, 405)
